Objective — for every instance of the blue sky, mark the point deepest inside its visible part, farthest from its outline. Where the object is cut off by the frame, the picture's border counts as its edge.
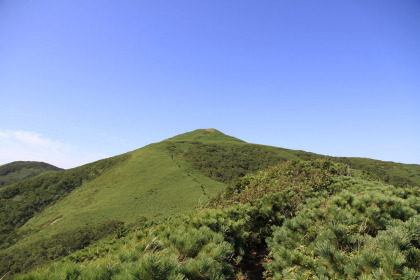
(83, 80)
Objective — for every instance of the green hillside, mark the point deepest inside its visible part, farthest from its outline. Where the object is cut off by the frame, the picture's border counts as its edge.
(20, 170)
(396, 174)
(26, 199)
(145, 184)
(226, 161)
(297, 220)
(57, 214)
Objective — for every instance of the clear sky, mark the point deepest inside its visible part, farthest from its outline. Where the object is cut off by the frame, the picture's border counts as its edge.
(83, 80)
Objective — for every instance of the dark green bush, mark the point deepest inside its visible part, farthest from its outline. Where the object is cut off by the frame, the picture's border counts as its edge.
(314, 221)
(367, 229)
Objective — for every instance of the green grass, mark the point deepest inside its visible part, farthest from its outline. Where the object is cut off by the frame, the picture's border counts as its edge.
(205, 136)
(303, 220)
(226, 160)
(149, 184)
(393, 173)
(157, 181)
(20, 170)
(25, 199)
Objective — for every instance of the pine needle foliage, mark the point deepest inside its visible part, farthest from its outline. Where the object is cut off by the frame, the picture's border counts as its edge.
(168, 178)
(314, 220)
(294, 179)
(366, 229)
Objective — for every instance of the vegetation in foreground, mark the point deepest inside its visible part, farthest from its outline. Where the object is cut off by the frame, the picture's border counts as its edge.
(305, 220)
(48, 217)
(40, 216)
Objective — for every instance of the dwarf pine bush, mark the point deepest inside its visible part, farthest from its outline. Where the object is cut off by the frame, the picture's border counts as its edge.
(366, 230)
(314, 220)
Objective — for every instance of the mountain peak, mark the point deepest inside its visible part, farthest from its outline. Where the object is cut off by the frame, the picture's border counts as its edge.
(205, 135)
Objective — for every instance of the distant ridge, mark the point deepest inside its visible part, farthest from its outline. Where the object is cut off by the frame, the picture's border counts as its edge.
(20, 170)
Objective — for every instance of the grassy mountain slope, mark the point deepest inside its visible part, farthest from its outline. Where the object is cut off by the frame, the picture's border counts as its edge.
(397, 174)
(298, 220)
(73, 208)
(209, 135)
(226, 161)
(148, 184)
(20, 170)
(26, 199)
(144, 184)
